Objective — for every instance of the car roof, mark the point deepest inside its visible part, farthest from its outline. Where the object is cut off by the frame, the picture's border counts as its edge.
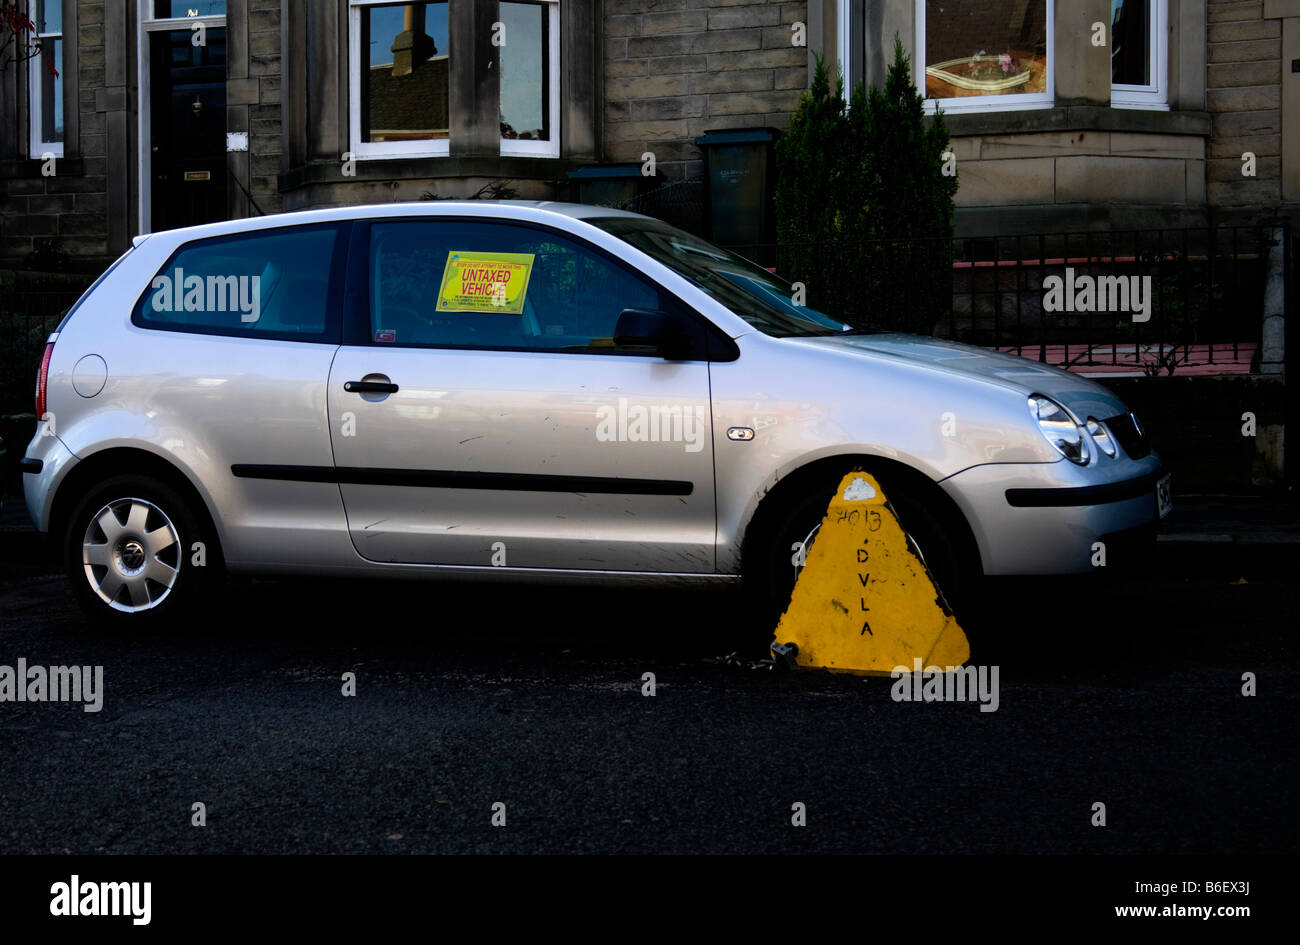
(538, 211)
(551, 212)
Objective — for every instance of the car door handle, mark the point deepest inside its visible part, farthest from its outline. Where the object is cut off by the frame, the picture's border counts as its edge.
(370, 387)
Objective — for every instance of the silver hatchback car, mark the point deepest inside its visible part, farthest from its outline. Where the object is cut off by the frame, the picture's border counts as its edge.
(532, 391)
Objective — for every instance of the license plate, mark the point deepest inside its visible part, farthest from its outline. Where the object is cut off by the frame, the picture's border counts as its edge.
(1165, 496)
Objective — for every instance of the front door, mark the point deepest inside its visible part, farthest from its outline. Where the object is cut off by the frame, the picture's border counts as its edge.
(482, 427)
(187, 126)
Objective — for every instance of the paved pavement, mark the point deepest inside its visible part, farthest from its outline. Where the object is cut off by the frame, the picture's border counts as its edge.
(1243, 520)
(1125, 692)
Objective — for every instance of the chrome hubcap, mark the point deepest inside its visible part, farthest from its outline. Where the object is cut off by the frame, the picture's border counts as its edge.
(131, 555)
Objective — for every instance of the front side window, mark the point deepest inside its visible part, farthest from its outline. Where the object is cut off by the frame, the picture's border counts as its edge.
(1138, 53)
(473, 284)
(271, 284)
(993, 55)
(530, 77)
(45, 77)
(750, 291)
(400, 93)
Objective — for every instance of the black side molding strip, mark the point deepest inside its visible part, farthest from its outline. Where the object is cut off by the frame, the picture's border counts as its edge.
(451, 479)
(1085, 495)
(30, 465)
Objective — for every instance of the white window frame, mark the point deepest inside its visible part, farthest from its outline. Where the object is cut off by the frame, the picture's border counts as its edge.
(844, 47)
(369, 150)
(35, 69)
(513, 147)
(148, 23)
(1154, 97)
(988, 103)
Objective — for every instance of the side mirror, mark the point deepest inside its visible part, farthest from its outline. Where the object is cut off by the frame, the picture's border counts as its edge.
(651, 328)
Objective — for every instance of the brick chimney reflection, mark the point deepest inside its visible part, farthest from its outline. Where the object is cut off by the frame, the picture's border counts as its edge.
(413, 45)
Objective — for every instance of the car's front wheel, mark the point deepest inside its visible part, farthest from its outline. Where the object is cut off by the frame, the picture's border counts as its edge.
(136, 552)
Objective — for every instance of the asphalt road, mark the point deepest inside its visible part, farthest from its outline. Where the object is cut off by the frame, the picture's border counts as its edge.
(1127, 693)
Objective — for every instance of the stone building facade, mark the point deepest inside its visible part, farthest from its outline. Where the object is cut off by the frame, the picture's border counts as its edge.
(82, 209)
(277, 109)
(683, 69)
(1223, 84)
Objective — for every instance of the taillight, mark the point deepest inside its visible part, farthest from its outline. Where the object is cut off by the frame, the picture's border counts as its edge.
(41, 378)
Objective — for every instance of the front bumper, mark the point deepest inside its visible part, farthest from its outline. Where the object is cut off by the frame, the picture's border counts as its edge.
(1045, 518)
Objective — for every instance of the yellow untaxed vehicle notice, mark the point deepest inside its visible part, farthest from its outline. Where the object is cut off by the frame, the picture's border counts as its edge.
(485, 282)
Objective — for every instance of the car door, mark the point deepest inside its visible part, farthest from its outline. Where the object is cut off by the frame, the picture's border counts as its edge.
(486, 418)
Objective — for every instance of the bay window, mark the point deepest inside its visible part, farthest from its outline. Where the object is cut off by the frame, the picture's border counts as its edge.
(403, 70)
(399, 88)
(187, 9)
(1139, 53)
(45, 80)
(530, 87)
(990, 55)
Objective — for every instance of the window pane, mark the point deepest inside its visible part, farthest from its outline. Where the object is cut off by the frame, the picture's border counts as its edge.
(166, 9)
(48, 16)
(404, 79)
(51, 90)
(762, 299)
(572, 300)
(276, 284)
(525, 72)
(1130, 42)
(994, 47)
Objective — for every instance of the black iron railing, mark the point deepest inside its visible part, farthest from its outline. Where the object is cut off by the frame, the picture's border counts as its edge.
(679, 203)
(31, 305)
(1150, 301)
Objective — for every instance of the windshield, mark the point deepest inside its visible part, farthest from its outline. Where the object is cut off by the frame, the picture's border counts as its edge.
(756, 295)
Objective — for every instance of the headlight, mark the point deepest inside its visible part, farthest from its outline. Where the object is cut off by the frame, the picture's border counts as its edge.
(1060, 429)
(1101, 436)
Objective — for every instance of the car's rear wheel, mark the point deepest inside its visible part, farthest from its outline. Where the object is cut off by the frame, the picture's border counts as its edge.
(773, 567)
(136, 552)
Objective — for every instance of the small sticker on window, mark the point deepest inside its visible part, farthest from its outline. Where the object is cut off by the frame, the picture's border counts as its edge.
(385, 336)
(485, 282)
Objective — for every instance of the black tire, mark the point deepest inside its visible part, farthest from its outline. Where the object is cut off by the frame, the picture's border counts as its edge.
(770, 572)
(137, 553)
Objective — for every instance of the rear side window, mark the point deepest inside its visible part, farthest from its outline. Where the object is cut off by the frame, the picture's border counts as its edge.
(274, 284)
